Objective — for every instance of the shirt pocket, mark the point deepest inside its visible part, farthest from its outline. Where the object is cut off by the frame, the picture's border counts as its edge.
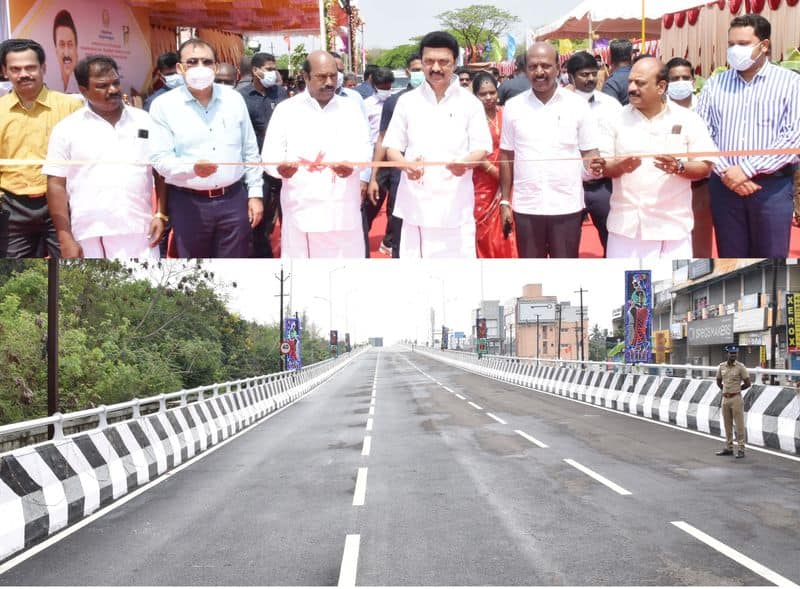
(567, 134)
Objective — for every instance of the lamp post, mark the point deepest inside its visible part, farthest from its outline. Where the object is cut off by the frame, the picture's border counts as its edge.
(348, 8)
(330, 295)
(52, 340)
(537, 339)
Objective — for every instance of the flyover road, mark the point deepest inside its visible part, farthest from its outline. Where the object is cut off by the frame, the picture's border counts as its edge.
(405, 471)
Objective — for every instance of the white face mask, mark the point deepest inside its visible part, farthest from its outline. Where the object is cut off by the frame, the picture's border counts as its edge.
(269, 77)
(339, 79)
(564, 79)
(5, 88)
(382, 95)
(416, 79)
(584, 95)
(200, 77)
(173, 81)
(680, 89)
(740, 57)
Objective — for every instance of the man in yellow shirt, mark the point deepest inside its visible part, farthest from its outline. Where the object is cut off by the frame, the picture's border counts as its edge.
(27, 115)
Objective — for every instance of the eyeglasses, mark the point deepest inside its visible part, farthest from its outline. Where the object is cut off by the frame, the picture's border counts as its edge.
(324, 77)
(193, 61)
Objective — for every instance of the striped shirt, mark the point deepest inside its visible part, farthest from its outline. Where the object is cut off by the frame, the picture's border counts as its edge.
(761, 114)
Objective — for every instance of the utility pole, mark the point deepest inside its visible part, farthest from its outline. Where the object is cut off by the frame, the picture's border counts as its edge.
(773, 336)
(52, 341)
(282, 280)
(581, 290)
(558, 337)
(537, 339)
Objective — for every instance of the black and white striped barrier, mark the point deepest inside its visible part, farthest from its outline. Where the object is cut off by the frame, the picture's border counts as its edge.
(48, 486)
(772, 413)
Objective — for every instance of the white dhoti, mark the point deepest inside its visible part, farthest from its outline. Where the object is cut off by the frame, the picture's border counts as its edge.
(119, 247)
(620, 246)
(323, 244)
(427, 242)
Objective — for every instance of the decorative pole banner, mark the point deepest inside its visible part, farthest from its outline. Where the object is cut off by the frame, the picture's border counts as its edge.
(294, 359)
(638, 320)
(793, 321)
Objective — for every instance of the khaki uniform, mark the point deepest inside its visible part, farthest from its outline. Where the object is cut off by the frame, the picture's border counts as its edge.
(733, 405)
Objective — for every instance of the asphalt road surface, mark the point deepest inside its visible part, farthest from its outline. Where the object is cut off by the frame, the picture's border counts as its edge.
(405, 471)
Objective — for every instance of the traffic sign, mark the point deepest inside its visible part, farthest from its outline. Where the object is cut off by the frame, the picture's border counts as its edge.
(285, 348)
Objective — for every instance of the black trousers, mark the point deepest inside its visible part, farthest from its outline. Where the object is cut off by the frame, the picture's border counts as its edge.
(262, 233)
(26, 229)
(543, 236)
(597, 197)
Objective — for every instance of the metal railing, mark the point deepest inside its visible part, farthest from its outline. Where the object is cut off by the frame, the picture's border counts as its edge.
(100, 417)
(790, 378)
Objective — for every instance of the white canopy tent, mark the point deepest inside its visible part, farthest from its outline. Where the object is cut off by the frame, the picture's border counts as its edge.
(613, 18)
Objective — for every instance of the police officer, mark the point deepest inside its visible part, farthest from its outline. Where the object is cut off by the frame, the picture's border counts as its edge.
(732, 378)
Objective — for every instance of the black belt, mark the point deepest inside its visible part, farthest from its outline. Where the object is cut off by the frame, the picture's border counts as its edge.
(214, 192)
(786, 171)
(596, 183)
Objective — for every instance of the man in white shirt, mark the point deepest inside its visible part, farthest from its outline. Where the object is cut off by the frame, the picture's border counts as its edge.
(443, 123)
(583, 68)
(545, 134)
(680, 90)
(103, 209)
(651, 203)
(196, 128)
(321, 204)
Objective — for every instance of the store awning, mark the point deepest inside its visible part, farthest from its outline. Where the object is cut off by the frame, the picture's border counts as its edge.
(257, 16)
(612, 19)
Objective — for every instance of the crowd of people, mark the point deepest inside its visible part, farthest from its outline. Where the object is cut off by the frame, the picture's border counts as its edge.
(466, 165)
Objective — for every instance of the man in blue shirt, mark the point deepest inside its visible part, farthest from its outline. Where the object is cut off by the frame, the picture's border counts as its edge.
(262, 95)
(367, 87)
(621, 51)
(197, 128)
(167, 65)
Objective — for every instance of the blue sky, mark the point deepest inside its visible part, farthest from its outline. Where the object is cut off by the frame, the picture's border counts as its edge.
(390, 22)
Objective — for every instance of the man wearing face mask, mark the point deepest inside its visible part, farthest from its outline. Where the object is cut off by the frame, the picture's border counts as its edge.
(341, 90)
(196, 127)
(382, 79)
(681, 92)
(583, 71)
(651, 202)
(753, 106)
(167, 65)
(261, 97)
(388, 179)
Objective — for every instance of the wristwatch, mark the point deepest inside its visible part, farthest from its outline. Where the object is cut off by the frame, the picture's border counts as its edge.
(162, 216)
(681, 167)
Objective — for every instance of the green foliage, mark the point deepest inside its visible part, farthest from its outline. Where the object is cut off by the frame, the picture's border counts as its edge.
(477, 23)
(124, 332)
(597, 344)
(298, 56)
(396, 58)
(282, 62)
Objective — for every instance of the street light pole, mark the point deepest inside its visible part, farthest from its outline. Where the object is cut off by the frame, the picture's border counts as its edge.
(581, 290)
(537, 338)
(558, 337)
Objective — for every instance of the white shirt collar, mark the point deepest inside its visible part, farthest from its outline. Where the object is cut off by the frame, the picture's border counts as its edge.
(452, 89)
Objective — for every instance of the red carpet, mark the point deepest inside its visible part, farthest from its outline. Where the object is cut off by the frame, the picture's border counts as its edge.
(590, 241)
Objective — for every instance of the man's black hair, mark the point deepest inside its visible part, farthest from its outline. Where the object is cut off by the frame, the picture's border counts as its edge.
(167, 60)
(19, 45)
(679, 62)
(580, 61)
(439, 40)
(99, 64)
(761, 26)
(259, 59)
(621, 51)
(382, 75)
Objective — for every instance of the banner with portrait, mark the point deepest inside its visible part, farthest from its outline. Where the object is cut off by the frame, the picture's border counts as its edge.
(638, 316)
(292, 336)
(71, 31)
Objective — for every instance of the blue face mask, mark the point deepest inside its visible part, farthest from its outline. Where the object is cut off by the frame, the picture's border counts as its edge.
(416, 79)
(173, 81)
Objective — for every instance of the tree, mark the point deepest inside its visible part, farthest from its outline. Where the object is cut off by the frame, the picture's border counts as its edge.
(597, 344)
(297, 58)
(396, 58)
(477, 23)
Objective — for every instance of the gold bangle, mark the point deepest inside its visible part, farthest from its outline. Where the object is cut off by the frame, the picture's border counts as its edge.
(162, 216)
